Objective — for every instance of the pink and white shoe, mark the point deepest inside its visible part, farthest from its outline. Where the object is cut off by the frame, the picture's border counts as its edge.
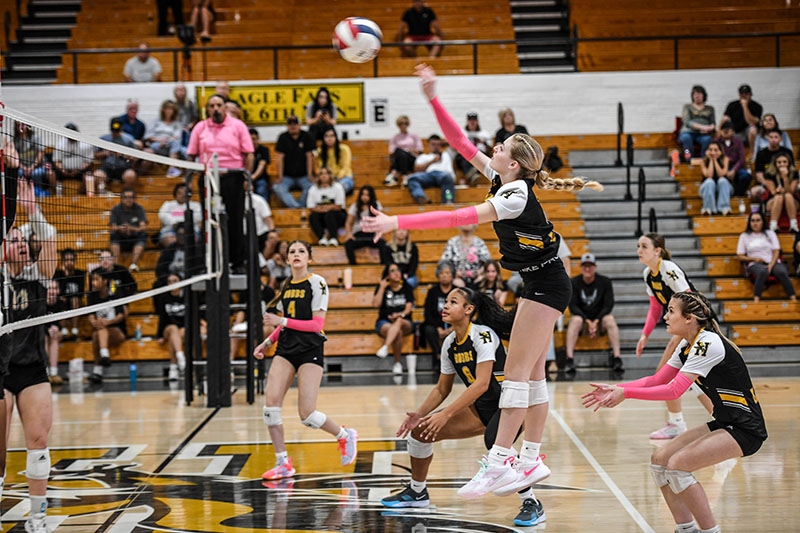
(670, 431)
(280, 471)
(348, 446)
(489, 478)
(527, 475)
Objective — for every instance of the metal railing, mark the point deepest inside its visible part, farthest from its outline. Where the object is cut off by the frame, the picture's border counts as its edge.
(640, 200)
(620, 130)
(628, 165)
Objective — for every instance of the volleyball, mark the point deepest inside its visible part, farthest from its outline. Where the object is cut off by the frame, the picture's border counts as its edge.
(357, 39)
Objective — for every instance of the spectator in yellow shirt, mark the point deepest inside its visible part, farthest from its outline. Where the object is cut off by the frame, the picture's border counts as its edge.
(338, 158)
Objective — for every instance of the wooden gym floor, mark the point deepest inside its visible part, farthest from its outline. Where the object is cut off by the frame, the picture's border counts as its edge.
(137, 462)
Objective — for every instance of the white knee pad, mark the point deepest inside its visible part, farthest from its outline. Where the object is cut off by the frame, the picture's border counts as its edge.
(659, 475)
(537, 392)
(514, 394)
(38, 466)
(418, 449)
(315, 420)
(679, 480)
(695, 388)
(272, 416)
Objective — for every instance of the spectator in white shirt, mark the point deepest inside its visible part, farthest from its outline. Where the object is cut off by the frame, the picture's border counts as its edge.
(173, 212)
(142, 68)
(267, 238)
(326, 201)
(434, 169)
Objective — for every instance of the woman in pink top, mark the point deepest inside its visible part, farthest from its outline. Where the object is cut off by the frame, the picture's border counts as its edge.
(760, 249)
(404, 149)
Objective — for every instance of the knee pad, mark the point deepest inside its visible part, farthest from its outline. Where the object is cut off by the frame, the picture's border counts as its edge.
(537, 392)
(514, 394)
(38, 464)
(679, 480)
(315, 420)
(695, 388)
(418, 449)
(659, 473)
(272, 416)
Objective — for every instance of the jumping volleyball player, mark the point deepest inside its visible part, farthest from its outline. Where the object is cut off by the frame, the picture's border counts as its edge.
(303, 300)
(663, 279)
(529, 245)
(704, 355)
(475, 353)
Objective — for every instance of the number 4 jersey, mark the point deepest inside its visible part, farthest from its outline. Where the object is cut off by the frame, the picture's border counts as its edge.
(299, 300)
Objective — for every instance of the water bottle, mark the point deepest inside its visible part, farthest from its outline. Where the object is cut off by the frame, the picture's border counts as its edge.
(138, 334)
(79, 242)
(89, 185)
(101, 187)
(58, 189)
(448, 196)
(742, 207)
(348, 278)
(132, 371)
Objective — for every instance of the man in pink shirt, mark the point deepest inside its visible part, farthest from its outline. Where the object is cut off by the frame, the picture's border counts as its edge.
(230, 139)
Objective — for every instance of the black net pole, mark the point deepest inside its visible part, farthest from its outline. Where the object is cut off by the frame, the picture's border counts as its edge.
(253, 312)
(218, 346)
(191, 316)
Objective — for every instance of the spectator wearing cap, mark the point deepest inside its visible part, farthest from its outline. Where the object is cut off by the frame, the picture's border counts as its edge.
(72, 159)
(229, 138)
(698, 123)
(745, 114)
(261, 161)
(480, 138)
(733, 148)
(115, 166)
(591, 305)
(132, 125)
(294, 163)
(142, 68)
(419, 24)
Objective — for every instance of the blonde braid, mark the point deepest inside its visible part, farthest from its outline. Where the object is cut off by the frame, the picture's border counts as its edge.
(696, 305)
(534, 157)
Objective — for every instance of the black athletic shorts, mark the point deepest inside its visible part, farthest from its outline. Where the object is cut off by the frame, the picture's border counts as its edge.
(748, 442)
(312, 356)
(20, 378)
(550, 286)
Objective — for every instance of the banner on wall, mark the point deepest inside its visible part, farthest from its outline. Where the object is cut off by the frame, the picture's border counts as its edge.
(270, 105)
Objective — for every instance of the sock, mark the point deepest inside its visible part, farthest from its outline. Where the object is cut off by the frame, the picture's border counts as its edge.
(104, 352)
(38, 504)
(773, 225)
(530, 451)
(342, 433)
(526, 494)
(180, 355)
(715, 529)
(676, 418)
(281, 457)
(173, 366)
(418, 486)
(53, 371)
(793, 223)
(688, 527)
(498, 455)
(97, 370)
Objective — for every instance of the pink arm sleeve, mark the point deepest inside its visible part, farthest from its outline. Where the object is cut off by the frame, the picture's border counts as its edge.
(273, 337)
(439, 219)
(661, 377)
(669, 391)
(314, 325)
(652, 316)
(452, 132)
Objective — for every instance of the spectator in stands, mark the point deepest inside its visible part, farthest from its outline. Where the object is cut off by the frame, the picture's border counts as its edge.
(490, 282)
(142, 68)
(733, 148)
(763, 159)
(769, 123)
(698, 123)
(760, 250)
(294, 163)
(404, 148)
(403, 253)
(172, 213)
(30, 149)
(781, 179)
(171, 310)
(115, 166)
(434, 329)
(395, 299)
(261, 161)
(481, 139)
(230, 139)
(715, 189)
(172, 259)
(223, 89)
(71, 283)
(326, 201)
(163, 135)
(419, 25)
(132, 125)
(591, 305)
(109, 327)
(796, 254)
(121, 282)
(321, 114)
(508, 126)
(128, 226)
(201, 18)
(233, 109)
(72, 159)
(338, 158)
(265, 226)
(354, 238)
(177, 16)
(745, 114)
(278, 266)
(187, 111)
(434, 169)
(467, 253)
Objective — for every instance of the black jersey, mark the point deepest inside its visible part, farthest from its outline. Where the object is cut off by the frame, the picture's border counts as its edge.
(527, 239)
(299, 300)
(27, 299)
(171, 310)
(120, 281)
(666, 281)
(724, 378)
(394, 301)
(479, 345)
(69, 286)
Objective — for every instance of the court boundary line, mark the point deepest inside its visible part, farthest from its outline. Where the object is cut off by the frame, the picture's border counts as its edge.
(615, 490)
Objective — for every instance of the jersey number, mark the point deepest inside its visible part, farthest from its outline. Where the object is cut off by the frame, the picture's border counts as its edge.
(290, 309)
(21, 300)
(468, 374)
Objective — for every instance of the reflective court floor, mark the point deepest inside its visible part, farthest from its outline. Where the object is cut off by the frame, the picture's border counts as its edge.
(143, 462)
